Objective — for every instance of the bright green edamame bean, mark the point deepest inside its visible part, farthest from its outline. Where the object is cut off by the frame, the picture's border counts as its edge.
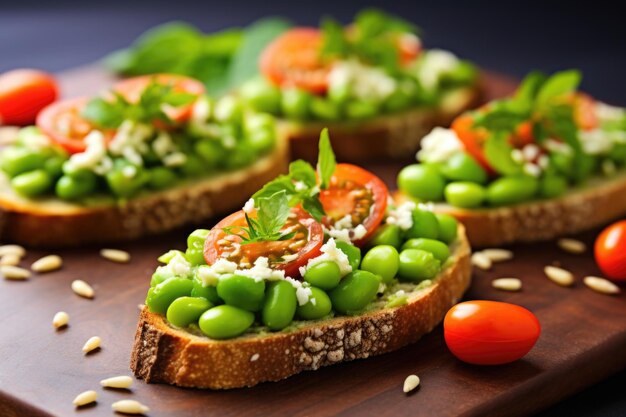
(355, 291)
(352, 252)
(314, 310)
(399, 100)
(425, 224)
(78, 185)
(161, 178)
(324, 275)
(186, 310)
(225, 322)
(417, 265)
(209, 292)
(54, 166)
(462, 167)
(438, 249)
(160, 275)
(387, 234)
(16, 160)
(325, 109)
(448, 227)
(261, 95)
(360, 109)
(295, 103)
(261, 140)
(241, 291)
(228, 109)
(210, 151)
(161, 296)
(552, 186)
(424, 182)
(382, 260)
(465, 194)
(280, 305)
(194, 166)
(511, 190)
(32, 183)
(124, 185)
(195, 246)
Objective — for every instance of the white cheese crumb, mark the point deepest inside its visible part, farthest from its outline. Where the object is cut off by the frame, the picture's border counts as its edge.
(532, 169)
(262, 271)
(439, 145)
(339, 234)
(607, 113)
(366, 82)
(94, 152)
(224, 266)
(344, 223)
(359, 232)
(303, 293)
(436, 63)
(402, 216)
(249, 206)
(174, 159)
(595, 142)
(558, 146)
(300, 186)
(201, 110)
(179, 265)
(330, 252)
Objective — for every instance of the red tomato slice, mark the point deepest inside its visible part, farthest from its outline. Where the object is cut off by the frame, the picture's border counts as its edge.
(409, 47)
(305, 245)
(23, 93)
(610, 251)
(585, 112)
(356, 192)
(293, 60)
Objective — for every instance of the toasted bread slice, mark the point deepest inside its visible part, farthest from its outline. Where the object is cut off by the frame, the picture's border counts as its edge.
(394, 136)
(165, 354)
(50, 222)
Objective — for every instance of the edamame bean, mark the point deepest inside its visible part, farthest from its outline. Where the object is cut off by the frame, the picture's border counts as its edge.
(295, 103)
(161, 296)
(195, 246)
(382, 260)
(209, 292)
(225, 322)
(425, 224)
(352, 252)
(465, 194)
(186, 310)
(160, 275)
(324, 275)
(78, 185)
(387, 234)
(511, 190)
(169, 255)
(124, 185)
(261, 95)
(54, 166)
(32, 183)
(448, 227)
(210, 151)
(462, 167)
(228, 109)
(399, 100)
(552, 186)
(16, 160)
(339, 92)
(194, 166)
(355, 291)
(280, 305)
(161, 178)
(360, 109)
(261, 140)
(422, 181)
(325, 109)
(417, 265)
(438, 249)
(241, 291)
(318, 306)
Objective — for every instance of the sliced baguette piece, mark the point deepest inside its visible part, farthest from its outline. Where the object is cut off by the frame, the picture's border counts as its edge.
(394, 136)
(50, 222)
(164, 354)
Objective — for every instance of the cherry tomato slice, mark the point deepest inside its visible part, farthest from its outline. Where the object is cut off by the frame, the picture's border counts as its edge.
(490, 332)
(356, 192)
(23, 93)
(293, 60)
(288, 255)
(409, 47)
(610, 251)
(585, 114)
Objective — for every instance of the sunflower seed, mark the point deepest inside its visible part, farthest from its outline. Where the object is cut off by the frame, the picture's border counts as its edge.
(92, 344)
(85, 398)
(410, 383)
(121, 382)
(558, 275)
(115, 255)
(601, 285)
(129, 407)
(10, 259)
(572, 245)
(60, 319)
(481, 261)
(47, 263)
(507, 284)
(83, 289)
(497, 255)
(12, 250)
(14, 272)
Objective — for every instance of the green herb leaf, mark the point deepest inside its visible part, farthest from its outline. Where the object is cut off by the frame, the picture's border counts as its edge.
(272, 212)
(313, 206)
(104, 113)
(528, 89)
(498, 154)
(326, 162)
(558, 85)
(303, 172)
(501, 117)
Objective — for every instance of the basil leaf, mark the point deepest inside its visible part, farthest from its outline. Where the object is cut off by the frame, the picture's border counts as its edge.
(272, 213)
(557, 85)
(326, 160)
(334, 39)
(303, 171)
(313, 206)
(283, 182)
(498, 154)
(103, 113)
(528, 89)
(501, 118)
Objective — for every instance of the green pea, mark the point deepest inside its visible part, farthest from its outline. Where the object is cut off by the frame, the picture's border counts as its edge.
(417, 265)
(352, 252)
(355, 291)
(462, 167)
(552, 186)
(261, 140)
(325, 109)
(425, 224)
(387, 234)
(422, 181)
(195, 246)
(261, 95)
(339, 93)
(124, 185)
(465, 194)
(161, 178)
(54, 166)
(225, 322)
(160, 275)
(314, 310)
(211, 152)
(241, 291)
(399, 100)
(448, 227)
(228, 109)
(324, 275)
(16, 160)
(73, 187)
(169, 255)
(209, 292)
(360, 109)
(32, 183)
(280, 305)
(194, 166)
(382, 260)
(295, 103)
(439, 249)
(161, 296)
(186, 310)
(511, 190)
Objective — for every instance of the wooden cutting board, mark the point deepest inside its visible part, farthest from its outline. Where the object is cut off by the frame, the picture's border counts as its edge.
(42, 370)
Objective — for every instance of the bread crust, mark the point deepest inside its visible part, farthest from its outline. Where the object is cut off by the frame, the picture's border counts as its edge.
(164, 354)
(54, 223)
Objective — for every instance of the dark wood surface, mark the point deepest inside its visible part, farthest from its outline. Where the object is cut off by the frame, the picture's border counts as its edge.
(42, 370)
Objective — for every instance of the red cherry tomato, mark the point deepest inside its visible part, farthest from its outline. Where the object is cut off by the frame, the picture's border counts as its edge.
(409, 47)
(490, 332)
(23, 93)
(610, 251)
(305, 244)
(356, 192)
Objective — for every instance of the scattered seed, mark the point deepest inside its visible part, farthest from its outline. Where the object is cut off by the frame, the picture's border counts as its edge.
(410, 383)
(572, 245)
(83, 289)
(47, 263)
(115, 255)
(14, 272)
(60, 319)
(122, 382)
(12, 250)
(481, 261)
(558, 275)
(497, 255)
(601, 285)
(85, 398)
(92, 344)
(507, 284)
(129, 407)
(10, 259)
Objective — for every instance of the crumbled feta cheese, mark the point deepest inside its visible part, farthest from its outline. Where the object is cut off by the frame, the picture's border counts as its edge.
(289, 258)
(129, 171)
(543, 161)
(249, 206)
(163, 145)
(201, 110)
(175, 159)
(224, 266)
(366, 82)
(95, 152)
(359, 232)
(130, 141)
(339, 234)
(517, 156)
(435, 63)
(608, 113)
(344, 223)
(532, 169)
(554, 145)
(300, 186)
(330, 252)
(439, 145)
(400, 293)
(303, 293)
(595, 142)
(402, 216)
(530, 152)
(207, 276)
(342, 230)
(262, 271)
(179, 265)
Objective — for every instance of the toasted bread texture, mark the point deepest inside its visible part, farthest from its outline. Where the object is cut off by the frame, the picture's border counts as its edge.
(50, 222)
(165, 354)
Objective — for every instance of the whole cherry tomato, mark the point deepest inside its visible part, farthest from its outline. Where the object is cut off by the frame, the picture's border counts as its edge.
(23, 93)
(610, 251)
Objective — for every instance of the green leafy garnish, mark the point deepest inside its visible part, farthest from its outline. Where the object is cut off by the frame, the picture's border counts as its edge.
(498, 154)
(559, 85)
(326, 160)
